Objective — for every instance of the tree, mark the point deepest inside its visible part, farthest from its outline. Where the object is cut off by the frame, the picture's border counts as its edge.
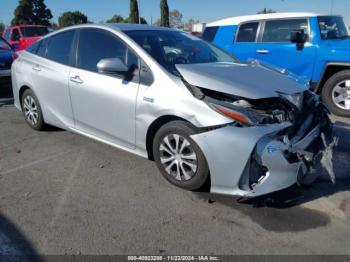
(175, 19)
(116, 19)
(32, 12)
(164, 13)
(134, 12)
(143, 21)
(42, 15)
(266, 11)
(72, 18)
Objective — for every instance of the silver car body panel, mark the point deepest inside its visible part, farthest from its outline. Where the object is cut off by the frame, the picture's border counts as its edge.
(245, 80)
(229, 165)
(120, 113)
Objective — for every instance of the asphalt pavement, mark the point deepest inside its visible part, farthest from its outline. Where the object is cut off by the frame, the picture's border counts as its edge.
(61, 193)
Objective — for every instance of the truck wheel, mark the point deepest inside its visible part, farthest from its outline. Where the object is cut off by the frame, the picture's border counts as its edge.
(336, 93)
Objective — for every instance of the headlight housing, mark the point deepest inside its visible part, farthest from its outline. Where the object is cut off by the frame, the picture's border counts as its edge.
(233, 113)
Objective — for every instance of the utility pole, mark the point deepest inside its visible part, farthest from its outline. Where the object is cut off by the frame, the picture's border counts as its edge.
(332, 6)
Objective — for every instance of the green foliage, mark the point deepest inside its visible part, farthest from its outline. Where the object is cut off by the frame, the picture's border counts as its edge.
(143, 21)
(32, 12)
(116, 19)
(72, 18)
(134, 12)
(164, 13)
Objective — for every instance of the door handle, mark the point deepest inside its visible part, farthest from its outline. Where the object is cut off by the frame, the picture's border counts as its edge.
(36, 68)
(76, 79)
(263, 51)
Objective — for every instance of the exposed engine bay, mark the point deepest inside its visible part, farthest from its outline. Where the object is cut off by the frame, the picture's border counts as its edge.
(305, 143)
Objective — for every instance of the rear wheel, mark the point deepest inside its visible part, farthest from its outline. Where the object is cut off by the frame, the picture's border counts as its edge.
(178, 157)
(336, 93)
(32, 110)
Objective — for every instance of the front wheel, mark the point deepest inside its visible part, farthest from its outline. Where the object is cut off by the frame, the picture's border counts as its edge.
(178, 157)
(336, 94)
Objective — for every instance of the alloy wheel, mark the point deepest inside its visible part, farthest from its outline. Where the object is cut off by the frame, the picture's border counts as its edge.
(178, 157)
(31, 110)
(341, 95)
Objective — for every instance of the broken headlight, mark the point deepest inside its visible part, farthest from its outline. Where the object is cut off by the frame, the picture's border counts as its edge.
(233, 113)
(297, 100)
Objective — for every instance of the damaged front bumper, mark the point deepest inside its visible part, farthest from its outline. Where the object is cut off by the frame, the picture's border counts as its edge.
(257, 160)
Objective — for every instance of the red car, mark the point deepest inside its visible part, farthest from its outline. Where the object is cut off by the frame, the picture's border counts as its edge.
(24, 35)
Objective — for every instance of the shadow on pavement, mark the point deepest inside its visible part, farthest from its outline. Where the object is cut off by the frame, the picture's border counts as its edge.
(14, 246)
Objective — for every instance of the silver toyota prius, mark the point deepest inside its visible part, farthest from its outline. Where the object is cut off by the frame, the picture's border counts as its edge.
(204, 117)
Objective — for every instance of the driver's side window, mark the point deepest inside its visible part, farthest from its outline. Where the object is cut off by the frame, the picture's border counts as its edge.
(98, 44)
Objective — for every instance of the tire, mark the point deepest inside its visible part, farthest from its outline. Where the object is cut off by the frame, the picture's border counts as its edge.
(190, 162)
(32, 110)
(335, 88)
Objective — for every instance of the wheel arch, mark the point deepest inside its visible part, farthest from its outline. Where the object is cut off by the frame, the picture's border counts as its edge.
(153, 129)
(21, 92)
(330, 70)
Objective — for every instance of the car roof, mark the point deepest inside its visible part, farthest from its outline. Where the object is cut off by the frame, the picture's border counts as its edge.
(241, 19)
(136, 27)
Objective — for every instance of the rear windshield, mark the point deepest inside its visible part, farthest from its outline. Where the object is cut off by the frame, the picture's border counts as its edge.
(34, 31)
(210, 33)
(333, 27)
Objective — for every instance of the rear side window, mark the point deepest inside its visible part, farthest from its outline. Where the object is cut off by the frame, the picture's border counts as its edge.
(15, 35)
(34, 31)
(280, 30)
(104, 45)
(59, 47)
(210, 33)
(247, 32)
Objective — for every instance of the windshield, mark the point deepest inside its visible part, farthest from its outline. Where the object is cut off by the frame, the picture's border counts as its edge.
(332, 27)
(169, 48)
(34, 31)
(4, 45)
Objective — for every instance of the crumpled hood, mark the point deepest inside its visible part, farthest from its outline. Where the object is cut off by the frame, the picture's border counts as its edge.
(248, 80)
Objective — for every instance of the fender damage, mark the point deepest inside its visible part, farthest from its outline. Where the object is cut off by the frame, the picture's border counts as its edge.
(283, 139)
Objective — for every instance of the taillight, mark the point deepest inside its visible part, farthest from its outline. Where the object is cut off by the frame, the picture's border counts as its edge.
(15, 56)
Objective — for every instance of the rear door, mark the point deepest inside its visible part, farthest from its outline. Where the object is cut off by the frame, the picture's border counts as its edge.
(274, 46)
(50, 74)
(245, 40)
(104, 105)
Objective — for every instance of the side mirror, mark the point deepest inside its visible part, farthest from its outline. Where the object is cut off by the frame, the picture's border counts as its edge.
(112, 66)
(299, 38)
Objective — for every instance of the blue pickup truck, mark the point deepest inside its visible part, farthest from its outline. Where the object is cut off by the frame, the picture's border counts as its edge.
(314, 47)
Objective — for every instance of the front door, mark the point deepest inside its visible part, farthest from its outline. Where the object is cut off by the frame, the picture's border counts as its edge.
(244, 46)
(104, 105)
(275, 46)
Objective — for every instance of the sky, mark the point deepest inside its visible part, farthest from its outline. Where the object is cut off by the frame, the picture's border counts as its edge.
(202, 10)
